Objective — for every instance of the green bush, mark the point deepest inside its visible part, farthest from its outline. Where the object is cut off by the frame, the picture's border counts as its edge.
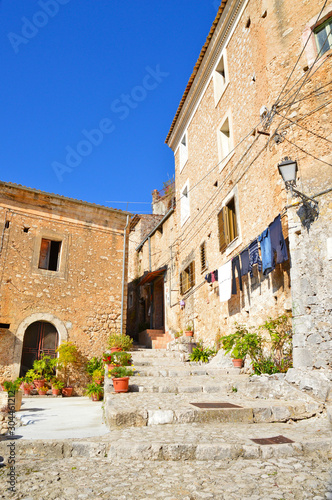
(120, 371)
(94, 364)
(202, 354)
(123, 342)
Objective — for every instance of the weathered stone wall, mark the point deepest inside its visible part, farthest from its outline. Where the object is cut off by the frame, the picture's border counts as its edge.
(83, 299)
(261, 54)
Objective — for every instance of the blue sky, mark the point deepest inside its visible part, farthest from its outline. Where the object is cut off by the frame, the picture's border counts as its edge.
(89, 90)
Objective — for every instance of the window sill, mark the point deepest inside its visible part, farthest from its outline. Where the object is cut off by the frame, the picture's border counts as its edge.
(233, 245)
(224, 162)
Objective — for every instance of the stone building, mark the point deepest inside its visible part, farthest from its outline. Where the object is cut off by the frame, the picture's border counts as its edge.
(62, 270)
(259, 92)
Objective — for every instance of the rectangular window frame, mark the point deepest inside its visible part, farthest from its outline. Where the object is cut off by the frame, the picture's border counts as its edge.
(229, 228)
(309, 36)
(202, 254)
(185, 203)
(62, 267)
(187, 278)
(183, 150)
(220, 77)
(225, 143)
(50, 254)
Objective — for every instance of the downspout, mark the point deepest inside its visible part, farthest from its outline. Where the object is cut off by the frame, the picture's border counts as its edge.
(123, 271)
(151, 287)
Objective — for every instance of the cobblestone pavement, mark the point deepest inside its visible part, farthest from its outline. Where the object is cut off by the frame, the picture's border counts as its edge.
(81, 478)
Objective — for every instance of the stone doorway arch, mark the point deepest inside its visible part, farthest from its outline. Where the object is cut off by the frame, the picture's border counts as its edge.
(41, 320)
(40, 338)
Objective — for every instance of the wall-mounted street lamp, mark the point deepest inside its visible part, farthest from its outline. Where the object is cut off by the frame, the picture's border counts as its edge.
(288, 170)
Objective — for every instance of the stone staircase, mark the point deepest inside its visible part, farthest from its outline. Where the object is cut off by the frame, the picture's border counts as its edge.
(177, 410)
(155, 339)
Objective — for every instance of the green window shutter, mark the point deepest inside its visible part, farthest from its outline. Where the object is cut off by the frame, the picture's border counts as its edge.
(192, 274)
(181, 284)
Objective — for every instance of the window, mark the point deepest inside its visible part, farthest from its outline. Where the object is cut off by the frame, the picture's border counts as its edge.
(323, 36)
(203, 256)
(49, 256)
(131, 300)
(185, 204)
(227, 225)
(225, 142)
(220, 78)
(4, 326)
(183, 151)
(187, 278)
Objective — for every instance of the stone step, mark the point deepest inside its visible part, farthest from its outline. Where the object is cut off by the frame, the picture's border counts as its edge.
(145, 409)
(188, 442)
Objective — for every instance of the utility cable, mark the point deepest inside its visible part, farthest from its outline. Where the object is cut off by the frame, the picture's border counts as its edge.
(306, 152)
(304, 128)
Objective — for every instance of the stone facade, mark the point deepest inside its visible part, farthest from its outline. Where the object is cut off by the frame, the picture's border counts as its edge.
(81, 295)
(259, 93)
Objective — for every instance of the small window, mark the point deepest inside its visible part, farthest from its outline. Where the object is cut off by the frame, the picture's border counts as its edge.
(187, 278)
(26, 229)
(185, 203)
(5, 326)
(183, 151)
(227, 225)
(224, 140)
(203, 256)
(7, 224)
(220, 78)
(323, 36)
(131, 300)
(49, 256)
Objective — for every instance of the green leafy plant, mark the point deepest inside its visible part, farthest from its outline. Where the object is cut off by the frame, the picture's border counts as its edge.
(43, 389)
(202, 354)
(120, 371)
(12, 386)
(178, 334)
(44, 367)
(94, 364)
(123, 342)
(242, 342)
(94, 389)
(57, 384)
(98, 375)
(121, 358)
(189, 327)
(67, 356)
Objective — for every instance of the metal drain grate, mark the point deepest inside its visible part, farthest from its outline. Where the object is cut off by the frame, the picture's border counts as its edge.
(273, 440)
(215, 405)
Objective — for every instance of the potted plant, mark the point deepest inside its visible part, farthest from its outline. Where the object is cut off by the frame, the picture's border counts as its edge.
(98, 377)
(189, 330)
(95, 391)
(67, 352)
(120, 376)
(44, 369)
(42, 390)
(240, 343)
(57, 385)
(117, 358)
(27, 383)
(94, 364)
(13, 392)
(118, 342)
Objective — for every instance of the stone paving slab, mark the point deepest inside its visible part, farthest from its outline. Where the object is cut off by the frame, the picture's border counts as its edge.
(264, 479)
(141, 409)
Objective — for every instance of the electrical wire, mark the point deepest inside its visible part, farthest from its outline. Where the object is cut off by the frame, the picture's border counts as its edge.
(304, 128)
(313, 93)
(306, 152)
(298, 59)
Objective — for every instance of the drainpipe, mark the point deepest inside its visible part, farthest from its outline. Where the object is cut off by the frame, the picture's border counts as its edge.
(149, 239)
(123, 271)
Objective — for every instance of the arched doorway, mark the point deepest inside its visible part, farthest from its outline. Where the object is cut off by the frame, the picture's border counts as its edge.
(40, 338)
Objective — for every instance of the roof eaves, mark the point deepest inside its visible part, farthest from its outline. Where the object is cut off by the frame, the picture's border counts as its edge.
(196, 67)
(155, 229)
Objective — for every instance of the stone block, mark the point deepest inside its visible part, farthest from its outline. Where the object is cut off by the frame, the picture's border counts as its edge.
(280, 413)
(262, 414)
(160, 417)
(217, 452)
(178, 451)
(302, 358)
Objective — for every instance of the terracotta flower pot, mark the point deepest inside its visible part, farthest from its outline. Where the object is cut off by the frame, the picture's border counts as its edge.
(41, 393)
(96, 397)
(26, 388)
(121, 384)
(39, 383)
(189, 333)
(116, 349)
(110, 367)
(237, 363)
(55, 392)
(67, 392)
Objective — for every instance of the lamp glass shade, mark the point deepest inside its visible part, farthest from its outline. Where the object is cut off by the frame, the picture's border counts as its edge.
(287, 170)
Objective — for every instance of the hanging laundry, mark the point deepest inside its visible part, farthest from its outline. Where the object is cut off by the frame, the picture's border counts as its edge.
(215, 274)
(254, 257)
(208, 278)
(266, 251)
(244, 262)
(236, 264)
(225, 281)
(277, 240)
(213, 279)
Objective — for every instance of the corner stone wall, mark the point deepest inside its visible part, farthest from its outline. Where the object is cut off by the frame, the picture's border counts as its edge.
(311, 277)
